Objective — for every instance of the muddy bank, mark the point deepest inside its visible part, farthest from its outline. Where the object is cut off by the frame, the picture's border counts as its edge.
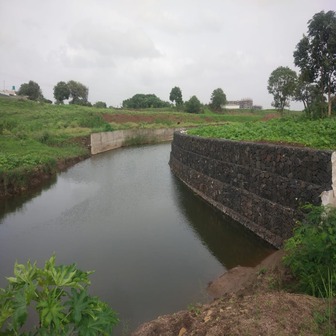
(248, 301)
(32, 180)
(36, 178)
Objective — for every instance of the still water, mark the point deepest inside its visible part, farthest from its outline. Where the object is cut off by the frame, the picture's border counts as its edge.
(153, 244)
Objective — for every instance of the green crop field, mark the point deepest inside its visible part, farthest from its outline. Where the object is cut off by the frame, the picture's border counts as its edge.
(311, 133)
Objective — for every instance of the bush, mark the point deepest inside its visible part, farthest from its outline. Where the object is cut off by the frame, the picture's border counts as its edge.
(193, 105)
(311, 252)
(59, 296)
(100, 104)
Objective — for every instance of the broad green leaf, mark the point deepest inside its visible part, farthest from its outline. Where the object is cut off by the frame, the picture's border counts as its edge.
(51, 311)
(6, 311)
(61, 312)
(20, 311)
(79, 302)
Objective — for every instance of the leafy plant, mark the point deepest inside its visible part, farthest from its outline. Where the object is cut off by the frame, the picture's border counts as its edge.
(310, 133)
(311, 252)
(59, 296)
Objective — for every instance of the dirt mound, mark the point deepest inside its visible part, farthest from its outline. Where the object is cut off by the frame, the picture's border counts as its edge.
(249, 302)
(276, 313)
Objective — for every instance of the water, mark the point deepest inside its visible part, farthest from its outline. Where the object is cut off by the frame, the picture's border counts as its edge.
(153, 244)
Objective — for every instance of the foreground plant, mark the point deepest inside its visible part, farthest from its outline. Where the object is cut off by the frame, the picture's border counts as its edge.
(311, 252)
(58, 294)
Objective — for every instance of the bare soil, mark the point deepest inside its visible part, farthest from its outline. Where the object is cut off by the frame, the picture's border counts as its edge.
(271, 116)
(248, 301)
(121, 118)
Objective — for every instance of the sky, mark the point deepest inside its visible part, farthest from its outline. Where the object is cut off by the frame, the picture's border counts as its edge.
(120, 48)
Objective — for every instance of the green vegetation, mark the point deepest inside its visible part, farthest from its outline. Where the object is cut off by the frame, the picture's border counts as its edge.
(281, 85)
(176, 96)
(311, 252)
(193, 105)
(34, 136)
(311, 133)
(75, 90)
(32, 90)
(58, 296)
(100, 104)
(218, 100)
(140, 101)
(315, 57)
(311, 256)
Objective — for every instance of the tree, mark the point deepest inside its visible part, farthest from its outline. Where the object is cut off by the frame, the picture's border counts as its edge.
(315, 53)
(141, 101)
(78, 92)
(281, 84)
(218, 99)
(176, 96)
(100, 104)
(61, 92)
(58, 296)
(309, 94)
(193, 105)
(32, 90)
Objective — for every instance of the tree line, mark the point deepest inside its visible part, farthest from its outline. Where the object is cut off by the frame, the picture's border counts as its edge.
(193, 105)
(315, 84)
(77, 93)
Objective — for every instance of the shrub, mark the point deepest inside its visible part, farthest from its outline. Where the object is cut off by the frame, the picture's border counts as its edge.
(311, 252)
(193, 105)
(100, 104)
(59, 296)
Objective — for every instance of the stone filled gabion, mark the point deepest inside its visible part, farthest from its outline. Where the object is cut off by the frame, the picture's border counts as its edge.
(263, 186)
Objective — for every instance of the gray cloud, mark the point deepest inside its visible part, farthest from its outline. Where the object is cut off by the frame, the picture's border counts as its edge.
(120, 48)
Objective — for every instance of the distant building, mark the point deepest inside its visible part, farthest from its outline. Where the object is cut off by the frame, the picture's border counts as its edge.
(245, 103)
(7, 93)
(231, 106)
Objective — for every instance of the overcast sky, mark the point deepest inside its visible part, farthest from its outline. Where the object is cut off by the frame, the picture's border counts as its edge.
(120, 48)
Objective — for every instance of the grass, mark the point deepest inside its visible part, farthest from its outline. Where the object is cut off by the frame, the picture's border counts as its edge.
(35, 136)
(311, 133)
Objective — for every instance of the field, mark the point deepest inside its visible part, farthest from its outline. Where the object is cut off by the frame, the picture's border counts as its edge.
(35, 137)
(297, 131)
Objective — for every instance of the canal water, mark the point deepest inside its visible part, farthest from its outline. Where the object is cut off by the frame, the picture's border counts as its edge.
(153, 244)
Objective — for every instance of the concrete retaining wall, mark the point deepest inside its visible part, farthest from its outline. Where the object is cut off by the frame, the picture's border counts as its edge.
(105, 141)
(262, 186)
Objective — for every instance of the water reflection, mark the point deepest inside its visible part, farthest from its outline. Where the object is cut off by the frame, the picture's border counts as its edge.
(226, 239)
(153, 244)
(16, 203)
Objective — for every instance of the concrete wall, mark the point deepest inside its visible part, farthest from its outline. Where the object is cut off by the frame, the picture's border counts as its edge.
(262, 186)
(105, 141)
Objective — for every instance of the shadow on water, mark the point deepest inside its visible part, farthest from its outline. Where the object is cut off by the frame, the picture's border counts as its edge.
(153, 244)
(18, 202)
(228, 241)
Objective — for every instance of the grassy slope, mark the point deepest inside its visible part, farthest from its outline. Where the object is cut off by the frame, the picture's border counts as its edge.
(311, 133)
(32, 133)
(35, 136)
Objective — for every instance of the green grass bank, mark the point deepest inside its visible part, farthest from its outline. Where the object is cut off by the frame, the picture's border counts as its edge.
(319, 134)
(37, 140)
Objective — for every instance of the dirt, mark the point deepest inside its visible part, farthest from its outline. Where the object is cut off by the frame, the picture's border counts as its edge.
(121, 118)
(248, 301)
(271, 116)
